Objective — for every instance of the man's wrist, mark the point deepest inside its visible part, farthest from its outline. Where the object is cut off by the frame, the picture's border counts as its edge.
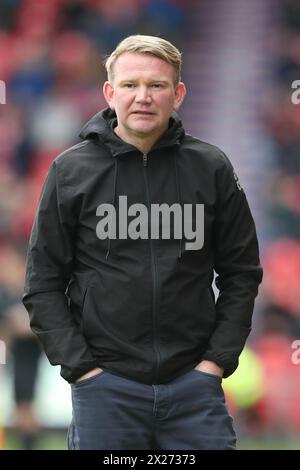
(89, 374)
(210, 367)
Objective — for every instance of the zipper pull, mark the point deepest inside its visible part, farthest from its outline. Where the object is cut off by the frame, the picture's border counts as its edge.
(145, 159)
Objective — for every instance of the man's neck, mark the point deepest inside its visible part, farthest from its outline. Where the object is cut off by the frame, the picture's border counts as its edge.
(144, 145)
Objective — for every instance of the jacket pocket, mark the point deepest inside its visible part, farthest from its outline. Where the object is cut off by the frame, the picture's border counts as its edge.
(84, 308)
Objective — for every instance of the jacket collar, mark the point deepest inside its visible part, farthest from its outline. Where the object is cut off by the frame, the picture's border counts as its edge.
(101, 126)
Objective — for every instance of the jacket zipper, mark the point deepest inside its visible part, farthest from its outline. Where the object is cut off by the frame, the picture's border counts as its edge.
(154, 276)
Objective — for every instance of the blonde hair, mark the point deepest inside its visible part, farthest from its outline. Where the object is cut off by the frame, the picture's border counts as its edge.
(146, 45)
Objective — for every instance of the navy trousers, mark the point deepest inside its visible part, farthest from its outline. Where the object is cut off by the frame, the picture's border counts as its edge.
(112, 412)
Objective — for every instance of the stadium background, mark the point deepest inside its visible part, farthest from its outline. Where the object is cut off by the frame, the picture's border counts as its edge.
(240, 59)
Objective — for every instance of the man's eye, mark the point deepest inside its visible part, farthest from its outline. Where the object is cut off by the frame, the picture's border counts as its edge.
(128, 85)
(156, 85)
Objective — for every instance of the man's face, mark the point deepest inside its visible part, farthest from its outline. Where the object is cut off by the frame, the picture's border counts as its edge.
(143, 95)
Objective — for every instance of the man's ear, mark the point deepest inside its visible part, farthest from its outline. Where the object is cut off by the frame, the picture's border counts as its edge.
(108, 93)
(180, 92)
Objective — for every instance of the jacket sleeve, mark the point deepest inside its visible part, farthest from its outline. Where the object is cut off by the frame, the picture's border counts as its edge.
(48, 271)
(236, 263)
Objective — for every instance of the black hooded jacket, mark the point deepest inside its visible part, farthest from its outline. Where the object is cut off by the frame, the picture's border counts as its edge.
(141, 308)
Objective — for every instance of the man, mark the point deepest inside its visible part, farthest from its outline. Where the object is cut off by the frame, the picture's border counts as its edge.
(131, 224)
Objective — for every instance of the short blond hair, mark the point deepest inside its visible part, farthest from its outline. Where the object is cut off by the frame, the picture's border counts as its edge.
(146, 45)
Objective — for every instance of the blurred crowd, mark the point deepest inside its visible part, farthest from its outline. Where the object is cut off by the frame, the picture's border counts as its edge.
(276, 408)
(51, 56)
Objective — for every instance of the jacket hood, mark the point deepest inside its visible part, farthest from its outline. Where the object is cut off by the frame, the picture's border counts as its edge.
(101, 126)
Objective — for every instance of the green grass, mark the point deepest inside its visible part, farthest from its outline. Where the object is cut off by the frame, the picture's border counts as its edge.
(52, 440)
(56, 440)
(292, 443)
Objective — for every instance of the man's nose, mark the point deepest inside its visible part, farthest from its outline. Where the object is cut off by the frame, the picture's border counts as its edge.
(143, 95)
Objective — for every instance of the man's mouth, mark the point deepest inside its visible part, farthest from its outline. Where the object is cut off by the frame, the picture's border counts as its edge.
(143, 113)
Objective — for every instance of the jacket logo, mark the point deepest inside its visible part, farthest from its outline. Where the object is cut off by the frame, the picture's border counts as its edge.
(237, 181)
(159, 222)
